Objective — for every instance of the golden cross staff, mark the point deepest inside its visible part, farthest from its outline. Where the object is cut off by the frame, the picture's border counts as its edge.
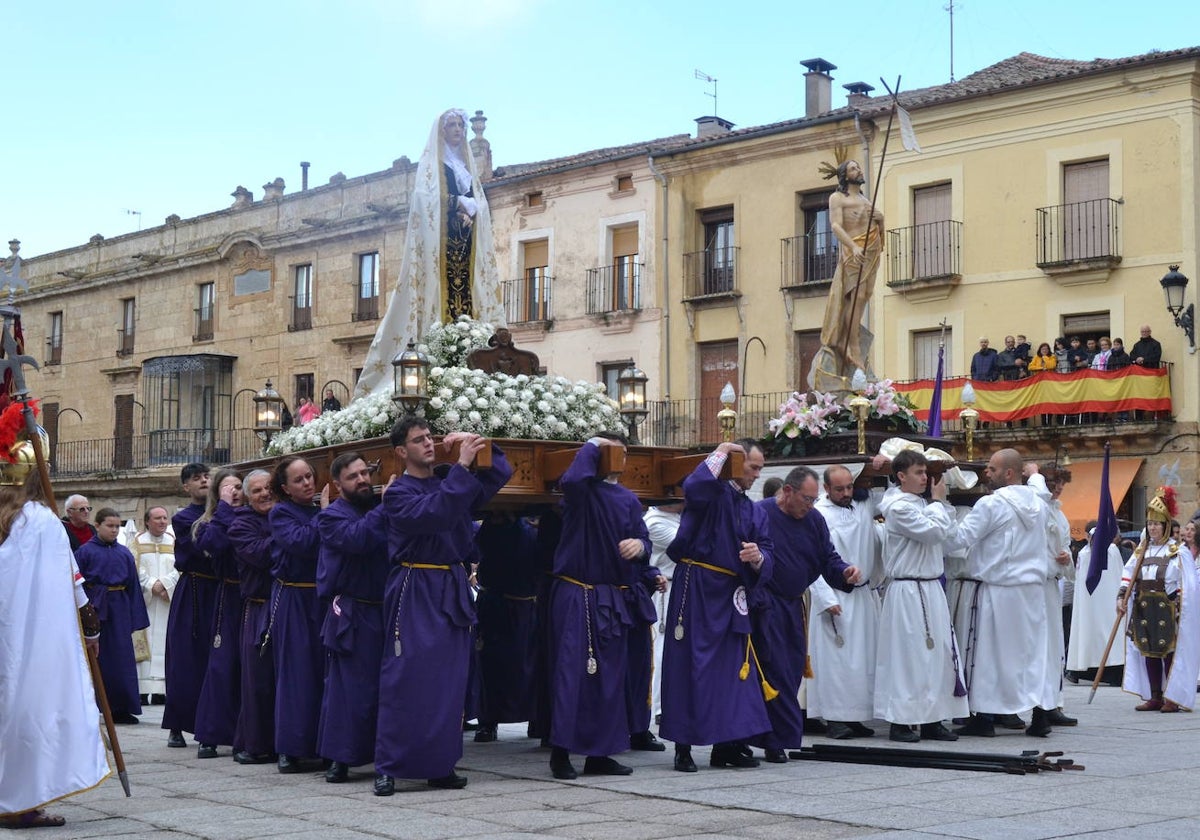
(874, 198)
(14, 362)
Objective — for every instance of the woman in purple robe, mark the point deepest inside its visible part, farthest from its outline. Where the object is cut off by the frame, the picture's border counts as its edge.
(220, 696)
(294, 631)
(250, 535)
(111, 582)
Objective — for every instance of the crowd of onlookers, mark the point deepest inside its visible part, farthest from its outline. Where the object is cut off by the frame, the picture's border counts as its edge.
(1066, 355)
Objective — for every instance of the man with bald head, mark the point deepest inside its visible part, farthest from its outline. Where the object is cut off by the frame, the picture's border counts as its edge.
(843, 627)
(1010, 551)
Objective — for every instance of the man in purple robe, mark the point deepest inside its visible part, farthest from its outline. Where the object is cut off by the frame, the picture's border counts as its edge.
(803, 552)
(711, 686)
(645, 581)
(602, 534)
(507, 628)
(250, 534)
(351, 570)
(428, 612)
(111, 582)
(193, 604)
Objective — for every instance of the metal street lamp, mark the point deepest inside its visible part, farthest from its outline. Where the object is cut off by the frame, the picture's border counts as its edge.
(268, 414)
(1174, 285)
(631, 391)
(410, 379)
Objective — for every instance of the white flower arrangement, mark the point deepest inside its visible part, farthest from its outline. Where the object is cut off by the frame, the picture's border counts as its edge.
(461, 399)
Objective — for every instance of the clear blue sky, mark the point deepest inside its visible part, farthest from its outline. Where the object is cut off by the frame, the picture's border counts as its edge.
(164, 107)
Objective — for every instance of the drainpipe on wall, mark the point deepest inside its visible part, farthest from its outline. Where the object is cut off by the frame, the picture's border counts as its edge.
(666, 285)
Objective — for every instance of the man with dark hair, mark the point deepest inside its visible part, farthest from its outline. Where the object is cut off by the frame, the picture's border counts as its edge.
(711, 688)
(1077, 356)
(917, 673)
(428, 612)
(193, 604)
(603, 534)
(802, 554)
(843, 627)
(351, 569)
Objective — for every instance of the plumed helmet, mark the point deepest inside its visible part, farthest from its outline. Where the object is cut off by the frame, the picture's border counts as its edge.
(1163, 507)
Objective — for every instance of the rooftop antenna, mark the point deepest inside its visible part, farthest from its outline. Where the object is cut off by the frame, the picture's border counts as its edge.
(950, 8)
(700, 74)
(137, 213)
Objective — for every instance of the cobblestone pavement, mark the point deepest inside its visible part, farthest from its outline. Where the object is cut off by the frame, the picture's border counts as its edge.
(1142, 770)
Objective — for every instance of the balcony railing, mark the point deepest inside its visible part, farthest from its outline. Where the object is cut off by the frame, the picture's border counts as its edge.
(139, 452)
(301, 319)
(806, 259)
(616, 287)
(710, 273)
(529, 298)
(204, 325)
(694, 422)
(925, 252)
(53, 351)
(365, 309)
(1085, 231)
(125, 342)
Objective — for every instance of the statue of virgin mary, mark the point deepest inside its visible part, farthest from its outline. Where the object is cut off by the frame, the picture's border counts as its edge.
(449, 264)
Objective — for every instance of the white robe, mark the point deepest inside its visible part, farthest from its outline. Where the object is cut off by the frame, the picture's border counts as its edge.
(1056, 575)
(915, 683)
(156, 564)
(842, 687)
(1093, 615)
(1180, 684)
(1010, 548)
(662, 526)
(50, 743)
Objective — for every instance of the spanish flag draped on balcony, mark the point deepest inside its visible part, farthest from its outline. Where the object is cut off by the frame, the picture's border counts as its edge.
(1090, 391)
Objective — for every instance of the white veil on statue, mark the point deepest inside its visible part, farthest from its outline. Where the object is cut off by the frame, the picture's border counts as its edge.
(419, 299)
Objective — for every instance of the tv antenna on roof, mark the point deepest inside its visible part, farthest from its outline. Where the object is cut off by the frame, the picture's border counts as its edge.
(137, 213)
(950, 8)
(700, 74)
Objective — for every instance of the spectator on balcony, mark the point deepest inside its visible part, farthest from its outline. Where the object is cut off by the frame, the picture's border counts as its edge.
(1060, 356)
(1118, 358)
(983, 363)
(1147, 352)
(1092, 349)
(1044, 360)
(1100, 360)
(1008, 364)
(307, 411)
(1023, 349)
(1077, 357)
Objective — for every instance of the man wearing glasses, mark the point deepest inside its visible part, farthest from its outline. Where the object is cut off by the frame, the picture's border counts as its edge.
(803, 553)
(79, 530)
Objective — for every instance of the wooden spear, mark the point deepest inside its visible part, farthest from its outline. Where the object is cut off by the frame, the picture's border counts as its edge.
(1124, 601)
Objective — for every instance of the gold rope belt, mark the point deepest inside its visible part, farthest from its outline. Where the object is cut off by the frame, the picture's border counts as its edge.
(256, 600)
(232, 582)
(297, 585)
(202, 576)
(689, 562)
(521, 597)
(568, 579)
(426, 566)
(120, 588)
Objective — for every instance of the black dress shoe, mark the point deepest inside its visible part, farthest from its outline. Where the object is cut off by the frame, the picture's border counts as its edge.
(336, 773)
(485, 734)
(244, 757)
(124, 717)
(646, 742)
(937, 732)
(730, 755)
(860, 730)
(903, 733)
(1056, 717)
(1010, 721)
(978, 727)
(175, 739)
(384, 785)
(602, 765)
(838, 731)
(451, 782)
(206, 751)
(1071, 677)
(775, 756)
(1039, 726)
(683, 760)
(814, 726)
(560, 764)
(287, 764)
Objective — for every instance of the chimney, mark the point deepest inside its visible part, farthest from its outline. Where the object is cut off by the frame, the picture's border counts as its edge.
(304, 175)
(818, 87)
(857, 94)
(711, 127)
(481, 148)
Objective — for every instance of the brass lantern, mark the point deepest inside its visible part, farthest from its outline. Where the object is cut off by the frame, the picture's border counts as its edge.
(268, 413)
(631, 390)
(410, 371)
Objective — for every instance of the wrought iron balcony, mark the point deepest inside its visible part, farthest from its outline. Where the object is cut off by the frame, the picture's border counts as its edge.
(366, 309)
(301, 319)
(807, 259)
(125, 342)
(529, 298)
(932, 251)
(710, 273)
(204, 325)
(616, 287)
(1079, 234)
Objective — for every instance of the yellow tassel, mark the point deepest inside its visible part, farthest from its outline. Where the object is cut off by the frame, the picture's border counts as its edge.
(769, 693)
(745, 669)
(808, 672)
